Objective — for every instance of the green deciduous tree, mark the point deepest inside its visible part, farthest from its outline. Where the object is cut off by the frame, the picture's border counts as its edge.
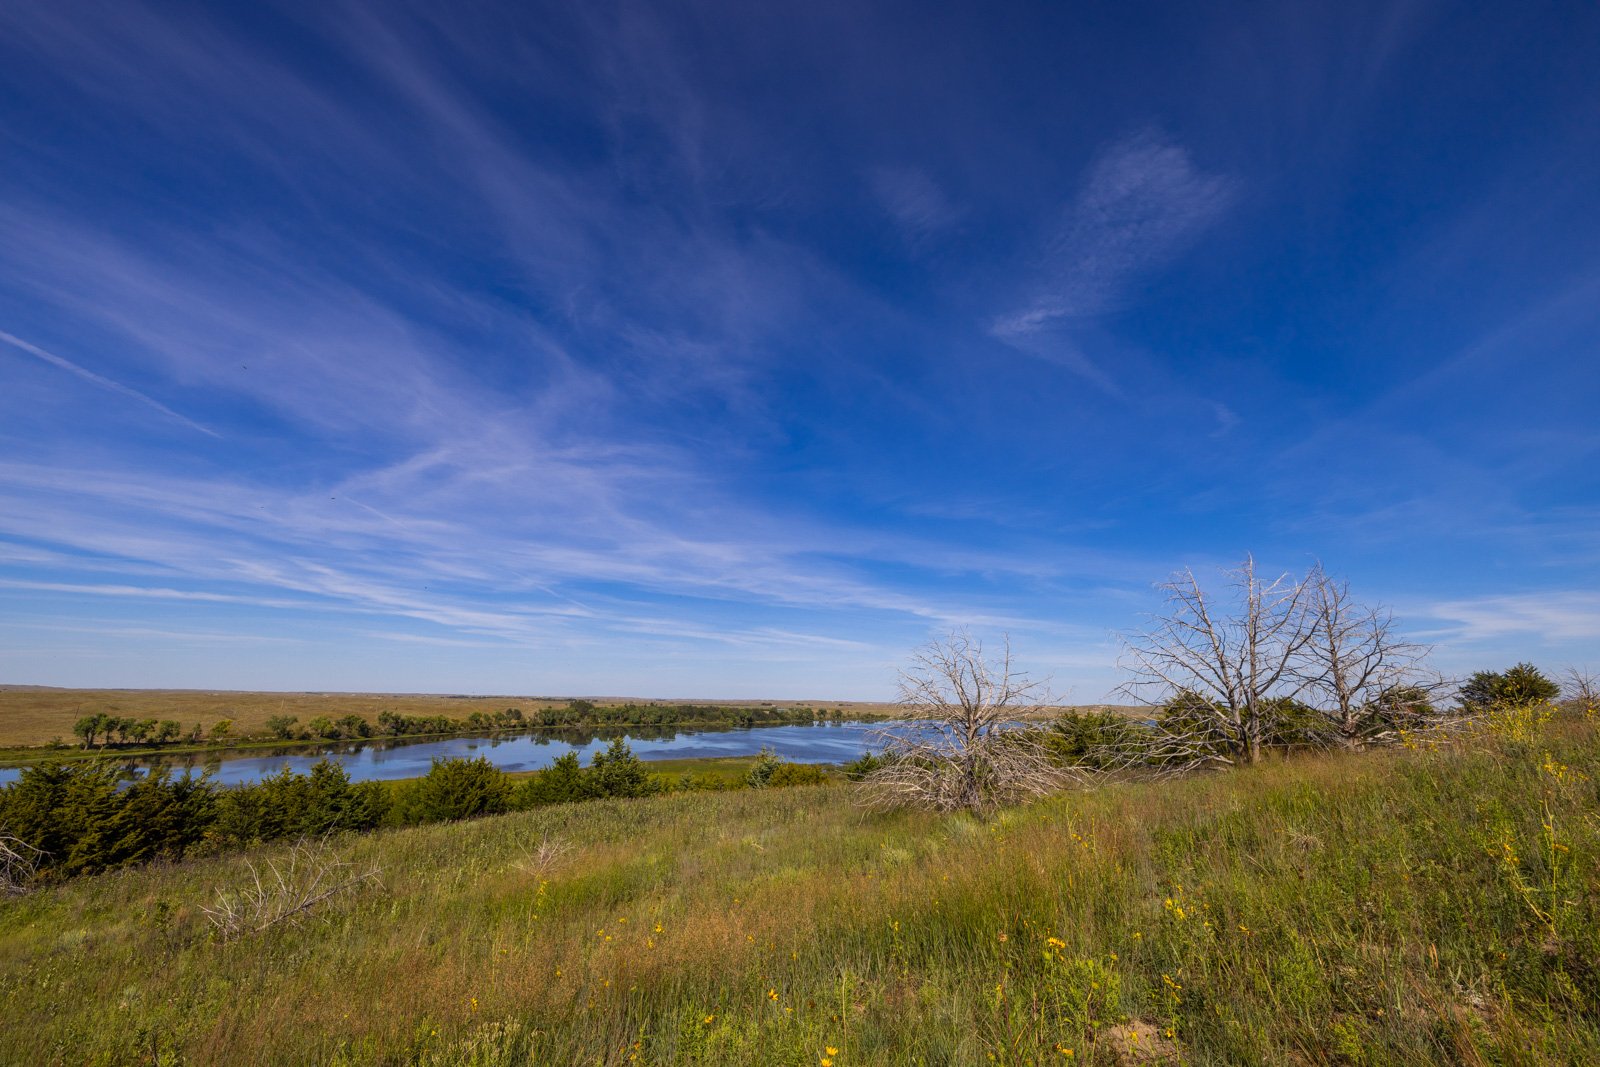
(88, 728)
(282, 726)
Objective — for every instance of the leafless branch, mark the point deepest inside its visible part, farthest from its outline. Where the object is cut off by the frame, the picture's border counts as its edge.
(287, 891)
(1581, 688)
(963, 751)
(19, 862)
(1370, 685)
(1229, 663)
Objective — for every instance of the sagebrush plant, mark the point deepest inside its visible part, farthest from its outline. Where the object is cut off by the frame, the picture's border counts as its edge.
(1320, 909)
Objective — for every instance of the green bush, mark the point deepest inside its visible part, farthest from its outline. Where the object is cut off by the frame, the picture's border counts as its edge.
(863, 765)
(561, 783)
(81, 821)
(617, 772)
(787, 774)
(767, 762)
(282, 726)
(1095, 739)
(297, 805)
(454, 789)
(1522, 684)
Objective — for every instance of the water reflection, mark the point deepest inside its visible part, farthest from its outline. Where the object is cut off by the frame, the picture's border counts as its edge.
(385, 759)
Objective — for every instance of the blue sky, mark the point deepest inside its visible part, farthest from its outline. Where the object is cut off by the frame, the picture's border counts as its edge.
(723, 349)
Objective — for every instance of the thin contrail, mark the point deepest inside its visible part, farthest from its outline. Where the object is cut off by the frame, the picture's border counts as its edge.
(104, 382)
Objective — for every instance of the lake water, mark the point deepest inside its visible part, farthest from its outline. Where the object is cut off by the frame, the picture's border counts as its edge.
(388, 759)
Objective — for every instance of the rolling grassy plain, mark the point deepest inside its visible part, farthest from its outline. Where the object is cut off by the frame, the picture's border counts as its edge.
(1413, 907)
(36, 715)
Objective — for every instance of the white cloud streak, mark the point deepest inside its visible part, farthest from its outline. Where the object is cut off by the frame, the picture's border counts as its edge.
(918, 206)
(100, 380)
(1551, 616)
(1142, 203)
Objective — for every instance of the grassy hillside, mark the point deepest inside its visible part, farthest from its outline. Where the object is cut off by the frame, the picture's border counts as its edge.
(1398, 907)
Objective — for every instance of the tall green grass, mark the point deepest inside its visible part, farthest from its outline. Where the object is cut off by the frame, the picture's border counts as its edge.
(1398, 907)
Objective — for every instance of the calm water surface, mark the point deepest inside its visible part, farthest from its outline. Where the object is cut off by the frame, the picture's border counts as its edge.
(388, 759)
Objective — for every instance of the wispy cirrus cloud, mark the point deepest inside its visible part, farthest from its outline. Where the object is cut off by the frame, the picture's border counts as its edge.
(583, 334)
(1142, 202)
(918, 206)
(1557, 615)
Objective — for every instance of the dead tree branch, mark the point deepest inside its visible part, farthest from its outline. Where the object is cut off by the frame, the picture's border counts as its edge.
(964, 750)
(1369, 684)
(287, 891)
(19, 862)
(1226, 666)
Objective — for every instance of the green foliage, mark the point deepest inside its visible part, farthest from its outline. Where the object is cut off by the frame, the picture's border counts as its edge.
(1189, 727)
(1522, 684)
(1404, 707)
(789, 774)
(83, 817)
(862, 766)
(282, 726)
(82, 820)
(88, 728)
(767, 761)
(587, 713)
(354, 726)
(617, 772)
(454, 789)
(222, 729)
(561, 783)
(1293, 724)
(1095, 739)
(297, 805)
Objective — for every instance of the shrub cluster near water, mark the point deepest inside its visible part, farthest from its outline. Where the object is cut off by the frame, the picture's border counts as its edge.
(105, 730)
(80, 818)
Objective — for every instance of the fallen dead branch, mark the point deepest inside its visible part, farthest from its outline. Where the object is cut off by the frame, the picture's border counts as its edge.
(286, 891)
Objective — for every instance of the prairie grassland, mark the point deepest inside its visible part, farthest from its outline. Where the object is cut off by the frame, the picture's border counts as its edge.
(35, 716)
(1408, 907)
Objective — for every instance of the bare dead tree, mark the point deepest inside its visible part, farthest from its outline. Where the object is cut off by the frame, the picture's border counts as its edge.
(19, 862)
(1227, 666)
(964, 751)
(1581, 689)
(286, 892)
(1369, 683)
